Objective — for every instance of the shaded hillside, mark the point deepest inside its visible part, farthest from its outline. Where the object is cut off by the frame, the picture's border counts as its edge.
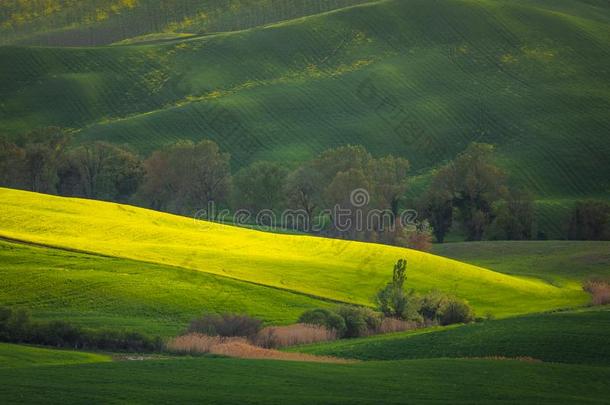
(417, 78)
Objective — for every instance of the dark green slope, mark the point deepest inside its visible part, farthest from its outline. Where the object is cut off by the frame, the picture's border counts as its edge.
(578, 337)
(417, 78)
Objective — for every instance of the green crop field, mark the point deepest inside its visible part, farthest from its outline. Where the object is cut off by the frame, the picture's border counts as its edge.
(578, 337)
(15, 356)
(231, 381)
(73, 23)
(417, 78)
(555, 261)
(563, 359)
(283, 81)
(330, 269)
(105, 292)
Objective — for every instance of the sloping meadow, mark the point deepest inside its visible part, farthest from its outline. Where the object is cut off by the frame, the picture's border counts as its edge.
(332, 269)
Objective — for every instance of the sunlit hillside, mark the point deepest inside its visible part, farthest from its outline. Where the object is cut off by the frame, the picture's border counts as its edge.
(331, 269)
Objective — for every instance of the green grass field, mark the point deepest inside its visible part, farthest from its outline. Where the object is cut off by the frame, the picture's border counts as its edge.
(331, 269)
(112, 293)
(568, 362)
(555, 261)
(16, 356)
(231, 381)
(73, 23)
(416, 78)
(577, 337)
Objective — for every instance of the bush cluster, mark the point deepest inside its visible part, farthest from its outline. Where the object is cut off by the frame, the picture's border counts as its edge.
(16, 326)
(226, 325)
(352, 321)
(443, 308)
(347, 321)
(326, 318)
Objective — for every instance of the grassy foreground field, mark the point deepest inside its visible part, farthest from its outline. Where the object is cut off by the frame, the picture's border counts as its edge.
(575, 369)
(230, 381)
(332, 269)
(578, 337)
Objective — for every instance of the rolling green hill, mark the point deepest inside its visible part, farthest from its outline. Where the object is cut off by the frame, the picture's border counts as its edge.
(578, 337)
(417, 78)
(111, 293)
(326, 268)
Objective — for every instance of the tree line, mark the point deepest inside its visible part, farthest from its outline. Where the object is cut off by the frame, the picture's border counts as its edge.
(470, 192)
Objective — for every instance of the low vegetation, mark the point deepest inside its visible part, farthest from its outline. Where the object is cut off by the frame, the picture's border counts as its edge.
(196, 344)
(599, 290)
(575, 337)
(274, 337)
(434, 306)
(16, 326)
(226, 325)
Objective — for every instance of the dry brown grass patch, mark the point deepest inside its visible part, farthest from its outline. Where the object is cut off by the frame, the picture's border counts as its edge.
(392, 325)
(196, 343)
(248, 351)
(299, 334)
(599, 290)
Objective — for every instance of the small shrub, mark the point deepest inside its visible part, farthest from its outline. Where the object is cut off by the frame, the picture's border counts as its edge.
(228, 325)
(359, 321)
(431, 303)
(122, 341)
(59, 334)
(292, 335)
(599, 290)
(326, 318)
(455, 310)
